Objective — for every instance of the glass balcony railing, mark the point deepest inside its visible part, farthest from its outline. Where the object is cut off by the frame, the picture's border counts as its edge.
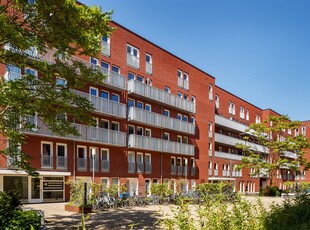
(160, 96)
(133, 61)
(159, 145)
(160, 121)
(105, 106)
(87, 133)
(61, 162)
(46, 161)
(105, 166)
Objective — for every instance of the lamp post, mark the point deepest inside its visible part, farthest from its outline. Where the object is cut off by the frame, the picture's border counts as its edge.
(93, 153)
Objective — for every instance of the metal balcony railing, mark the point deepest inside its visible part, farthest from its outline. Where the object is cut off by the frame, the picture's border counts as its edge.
(105, 106)
(159, 145)
(160, 96)
(105, 165)
(229, 156)
(160, 121)
(61, 162)
(230, 123)
(46, 161)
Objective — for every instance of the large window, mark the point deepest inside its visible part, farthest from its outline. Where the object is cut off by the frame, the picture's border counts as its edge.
(105, 43)
(61, 151)
(19, 184)
(133, 56)
(148, 64)
(47, 154)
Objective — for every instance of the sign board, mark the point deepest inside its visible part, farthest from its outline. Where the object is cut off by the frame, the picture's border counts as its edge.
(53, 185)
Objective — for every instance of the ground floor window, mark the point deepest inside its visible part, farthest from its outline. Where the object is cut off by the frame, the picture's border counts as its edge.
(53, 189)
(18, 184)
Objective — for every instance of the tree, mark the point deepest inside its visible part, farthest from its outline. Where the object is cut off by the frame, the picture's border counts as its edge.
(44, 35)
(279, 150)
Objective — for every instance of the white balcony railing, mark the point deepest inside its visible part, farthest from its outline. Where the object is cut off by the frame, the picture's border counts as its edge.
(233, 141)
(229, 156)
(105, 106)
(160, 145)
(87, 133)
(133, 61)
(230, 123)
(157, 95)
(161, 121)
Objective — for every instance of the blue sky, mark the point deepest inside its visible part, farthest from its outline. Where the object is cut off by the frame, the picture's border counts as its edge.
(257, 50)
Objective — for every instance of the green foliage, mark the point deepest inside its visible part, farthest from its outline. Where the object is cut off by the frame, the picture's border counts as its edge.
(272, 191)
(57, 28)
(298, 187)
(292, 215)
(161, 190)
(276, 145)
(216, 213)
(12, 217)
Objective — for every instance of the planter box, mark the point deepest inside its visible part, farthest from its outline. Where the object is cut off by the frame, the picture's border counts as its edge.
(71, 208)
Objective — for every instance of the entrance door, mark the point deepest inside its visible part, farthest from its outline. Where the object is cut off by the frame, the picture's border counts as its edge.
(36, 190)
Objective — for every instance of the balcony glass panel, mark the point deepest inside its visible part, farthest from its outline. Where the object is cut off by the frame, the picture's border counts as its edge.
(140, 167)
(106, 48)
(61, 162)
(82, 164)
(133, 61)
(47, 161)
(160, 96)
(105, 166)
(148, 68)
(148, 168)
(94, 163)
(131, 167)
(173, 169)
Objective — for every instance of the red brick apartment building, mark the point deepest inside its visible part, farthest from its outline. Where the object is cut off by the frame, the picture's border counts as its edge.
(159, 120)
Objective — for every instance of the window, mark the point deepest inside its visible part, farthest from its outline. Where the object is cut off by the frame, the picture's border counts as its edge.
(257, 119)
(115, 97)
(105, 154)
(210, 92)
(194, 99)
(166, 136)
(179, 139)
(139, 104)
(131, 129)
(131, 103)
(104, 183)
(115, 69)
(131, 162)
(303, 131)
(185, 118)
(166, 113)
(81, 155)
(61, 155)
(148, 82)
(12, 72)
(47, 154)
(193, 120)
(32, 73)
(148, 107)
(140, 131)
(93, 91)
(148, 64)
(105, 95)
(94, 62)
(105, 43)
(217, 101)
(231, 108)
(185, 96)
(115, 126)
(132, 56)
(148, 133)
(180, 78)
(167, 89)
(185, 140)
(180, 95)
(104, 124)
(105, 160)
(247, 115)
(60, 82)
(241, 112)
(148, 158)
(105, 65)
(179, 116)
(131, 76)
(185, 82)
(140, 79)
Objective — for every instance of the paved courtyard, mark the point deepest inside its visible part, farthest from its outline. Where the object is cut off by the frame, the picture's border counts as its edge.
(55, 217)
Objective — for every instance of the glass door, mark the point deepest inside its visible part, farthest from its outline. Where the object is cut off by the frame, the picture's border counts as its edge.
(36, 190)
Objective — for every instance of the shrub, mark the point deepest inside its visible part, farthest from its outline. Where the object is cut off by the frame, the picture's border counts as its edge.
(272, 191)
(293, 214)
(13, 217)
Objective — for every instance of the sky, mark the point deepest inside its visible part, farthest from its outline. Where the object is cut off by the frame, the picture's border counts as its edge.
(258, 50)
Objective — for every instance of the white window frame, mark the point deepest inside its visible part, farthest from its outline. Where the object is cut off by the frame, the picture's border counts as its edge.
(148, 130)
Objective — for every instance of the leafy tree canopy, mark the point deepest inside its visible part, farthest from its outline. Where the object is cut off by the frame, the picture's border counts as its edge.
(44, 35)
(277, 149)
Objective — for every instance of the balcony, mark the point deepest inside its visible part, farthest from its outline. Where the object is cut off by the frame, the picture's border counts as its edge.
(173, 169)
(61, 162)
(160, 121)
(140, 167)
(229, 156)
(82, 164)
(148, 168)
(230, 124)
(87, 133)
(131, 167)
(106, 48)
(159, 145)
(228, 140)
(105, 165)
(46, 161)
(133, 61)
(160, 96)
(113, 80)
(104, 106)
